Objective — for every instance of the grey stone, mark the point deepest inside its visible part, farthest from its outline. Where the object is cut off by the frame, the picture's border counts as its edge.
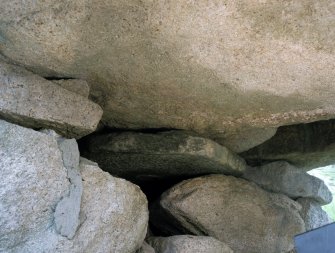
(151, 156)
(32, 101)
(77, 86)
(306, 146)
(146, 248)
(232, 210)
(188, 244)
(114, 218)
(67, 210)
(33, 181)
(312, 214)
(282, 177)
(221, 68)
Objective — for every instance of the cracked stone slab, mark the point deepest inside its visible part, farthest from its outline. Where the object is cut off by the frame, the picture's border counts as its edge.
(32, 101)
(282, 177)
(151, 156)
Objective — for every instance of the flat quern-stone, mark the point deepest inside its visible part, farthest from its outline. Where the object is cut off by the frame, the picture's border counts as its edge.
(232, 210)
(150, 156)
(32, 101)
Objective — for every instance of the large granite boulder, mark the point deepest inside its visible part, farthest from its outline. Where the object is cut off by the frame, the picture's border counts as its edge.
(51, 203)
(282, 177)
(188, 244)
(144, 156)
(233, 70)
(146, 248)
(232, 210)
(32, 101)
(312, 214)
(33, 181)
(307, 146)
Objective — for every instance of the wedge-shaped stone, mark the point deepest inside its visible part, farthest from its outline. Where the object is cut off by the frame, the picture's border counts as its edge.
(172, 153)
(232, 210)
(188, 244)
(32, 101)
(306, 146)
(282, 177)
(312, 214)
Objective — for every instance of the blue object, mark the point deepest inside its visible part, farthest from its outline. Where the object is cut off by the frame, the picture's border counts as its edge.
(320, 240)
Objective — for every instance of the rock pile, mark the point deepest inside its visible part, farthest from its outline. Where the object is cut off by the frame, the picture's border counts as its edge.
(183, 110)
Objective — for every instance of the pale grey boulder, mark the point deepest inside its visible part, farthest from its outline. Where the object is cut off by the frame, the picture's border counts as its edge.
(232, 210)
(33, 181)
(282, 177)
(312, 214)
(42, 189)
(77, 86)
(188, 244)
(233, 70)
(114, 218)
(150, 156)
(32, 101)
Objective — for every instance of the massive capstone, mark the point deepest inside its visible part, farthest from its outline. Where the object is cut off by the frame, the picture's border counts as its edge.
(230, 70)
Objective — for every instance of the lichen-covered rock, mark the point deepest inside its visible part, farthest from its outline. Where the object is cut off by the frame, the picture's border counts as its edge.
(232, 210)
(151, 156)
(32, 101)
(234, 70)
(312, 214)
(282, 177)
(188, 244)
(306, 146)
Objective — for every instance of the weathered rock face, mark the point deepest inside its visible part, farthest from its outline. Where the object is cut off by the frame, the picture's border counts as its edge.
(188, 244)
(33, 181)
(312, 214)
(307, 146)
(232, 70)
(142, 156)
(232, 210)
(75, 85)
(282, 177)
(146, 248)
(41, 194)
(32, 101)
